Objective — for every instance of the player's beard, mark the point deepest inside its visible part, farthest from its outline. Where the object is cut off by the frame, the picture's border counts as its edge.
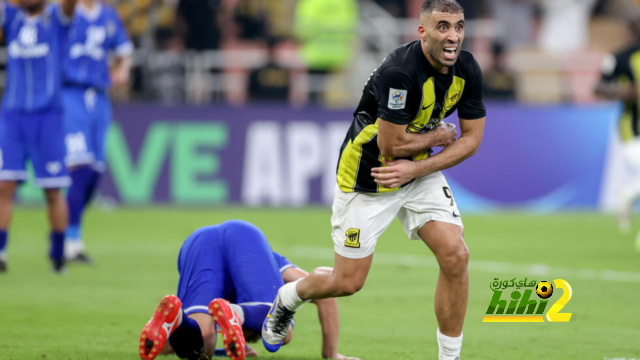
(437, 55)
(34, 7)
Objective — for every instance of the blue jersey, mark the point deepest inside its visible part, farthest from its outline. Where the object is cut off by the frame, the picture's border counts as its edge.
(234, 261)
(35, 48)
(282, 262)
(94, 34)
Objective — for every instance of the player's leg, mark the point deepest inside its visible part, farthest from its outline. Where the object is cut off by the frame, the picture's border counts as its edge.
(79, 123)
(47, 151)
(253, 270)
(12, 171)
(452, 290)
(188, 327)
(432, 215)
(631, 193)
(7, 189)
(357, 222)
(58, 219)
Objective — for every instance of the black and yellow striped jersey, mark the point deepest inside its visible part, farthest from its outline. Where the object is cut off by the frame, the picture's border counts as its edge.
(406, 90)
(624, 68)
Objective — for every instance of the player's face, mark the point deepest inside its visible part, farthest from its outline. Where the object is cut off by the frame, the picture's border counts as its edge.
(32, 5)
(442, 33)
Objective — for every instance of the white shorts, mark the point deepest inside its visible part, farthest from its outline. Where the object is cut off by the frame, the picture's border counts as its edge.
(631, 151)
(359, 219)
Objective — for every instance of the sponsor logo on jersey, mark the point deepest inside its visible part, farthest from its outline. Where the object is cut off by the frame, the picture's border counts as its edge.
(26, 45)
(454, 97)
(92, 47)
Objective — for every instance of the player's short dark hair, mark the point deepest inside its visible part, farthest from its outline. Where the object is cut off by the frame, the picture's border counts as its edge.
(445, 6)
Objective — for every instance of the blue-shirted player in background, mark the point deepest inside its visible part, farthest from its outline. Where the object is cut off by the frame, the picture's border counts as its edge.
(228, 276)
(31, 124)
(96, 31)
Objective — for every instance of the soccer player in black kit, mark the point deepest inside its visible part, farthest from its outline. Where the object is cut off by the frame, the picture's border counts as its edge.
(387, 169)
(620, 80)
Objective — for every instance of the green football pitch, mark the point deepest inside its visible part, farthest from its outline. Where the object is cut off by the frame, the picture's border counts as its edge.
(97, 312)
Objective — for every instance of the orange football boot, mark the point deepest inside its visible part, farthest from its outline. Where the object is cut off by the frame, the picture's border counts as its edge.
(230, 327)
(165, 320)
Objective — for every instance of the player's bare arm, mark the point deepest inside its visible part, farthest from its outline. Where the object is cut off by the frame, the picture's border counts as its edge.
(328, 316)
(120, 70)
(394, 141)
(614, 91)
(399, 172)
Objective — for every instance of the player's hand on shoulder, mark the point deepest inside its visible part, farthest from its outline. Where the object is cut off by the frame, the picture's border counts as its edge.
(395, 173)
(448, 133)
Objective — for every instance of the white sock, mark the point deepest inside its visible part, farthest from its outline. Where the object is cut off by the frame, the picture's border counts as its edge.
(180, 316)
(73, 247)
(449, 347)
(3, 255)
(239, 311)
(289, 296)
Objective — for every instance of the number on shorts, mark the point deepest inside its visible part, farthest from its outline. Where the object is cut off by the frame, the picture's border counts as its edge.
(448, 194)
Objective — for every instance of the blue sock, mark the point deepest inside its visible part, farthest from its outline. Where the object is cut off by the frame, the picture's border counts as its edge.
(92, 185)
(3, 240)
(254, 316)
(187, 340)
(82, 180)
(73, 232)
(57, 245)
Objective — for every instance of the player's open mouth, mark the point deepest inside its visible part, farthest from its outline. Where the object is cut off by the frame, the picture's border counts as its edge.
(450, 52)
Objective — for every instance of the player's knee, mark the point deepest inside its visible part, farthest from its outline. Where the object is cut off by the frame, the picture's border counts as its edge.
(350, 287)
(455, 260)
(6, 189)
(53, 196)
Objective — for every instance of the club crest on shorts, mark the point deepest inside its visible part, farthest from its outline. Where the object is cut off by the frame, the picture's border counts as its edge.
(353, 238)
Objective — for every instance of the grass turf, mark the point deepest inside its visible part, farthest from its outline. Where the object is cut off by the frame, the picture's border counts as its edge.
(97, 312)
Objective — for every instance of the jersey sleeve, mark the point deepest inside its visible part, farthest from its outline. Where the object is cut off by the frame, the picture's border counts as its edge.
(614, 67)
(282, 262)
(8, 12)
(120, 44)
(397, 95)
(472, 103)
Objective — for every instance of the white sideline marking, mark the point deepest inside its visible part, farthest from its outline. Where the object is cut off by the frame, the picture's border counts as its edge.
(309, 252)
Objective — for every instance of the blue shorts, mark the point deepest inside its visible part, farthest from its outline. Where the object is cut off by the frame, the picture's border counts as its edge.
(87, 117)
(39, 137)
(232, 261)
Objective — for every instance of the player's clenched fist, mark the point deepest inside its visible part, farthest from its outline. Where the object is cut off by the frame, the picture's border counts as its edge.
(448, 133)
(395, 173)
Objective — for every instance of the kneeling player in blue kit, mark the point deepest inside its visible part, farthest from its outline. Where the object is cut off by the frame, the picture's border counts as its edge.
(229, 276)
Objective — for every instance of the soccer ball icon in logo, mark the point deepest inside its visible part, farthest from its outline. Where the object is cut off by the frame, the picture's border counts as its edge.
(544, 289)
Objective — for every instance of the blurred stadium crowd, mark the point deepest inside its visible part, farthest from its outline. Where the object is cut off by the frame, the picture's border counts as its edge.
(322, 51)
